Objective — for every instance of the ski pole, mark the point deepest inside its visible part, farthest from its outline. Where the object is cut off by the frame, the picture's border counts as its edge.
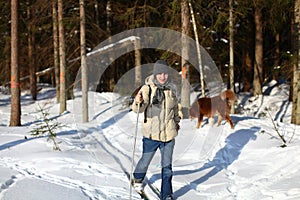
(133, 151)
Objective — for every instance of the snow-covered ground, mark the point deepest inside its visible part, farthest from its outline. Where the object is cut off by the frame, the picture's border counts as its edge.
(216, 163)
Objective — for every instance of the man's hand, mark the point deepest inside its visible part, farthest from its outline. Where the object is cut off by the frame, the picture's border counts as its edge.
(139, 98)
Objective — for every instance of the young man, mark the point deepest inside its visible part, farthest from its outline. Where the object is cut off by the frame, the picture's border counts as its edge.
(157, 99)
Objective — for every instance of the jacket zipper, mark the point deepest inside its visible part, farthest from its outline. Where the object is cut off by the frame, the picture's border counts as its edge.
(165, 134)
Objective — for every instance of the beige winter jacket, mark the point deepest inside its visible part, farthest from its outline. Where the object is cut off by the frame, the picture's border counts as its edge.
(161, 120)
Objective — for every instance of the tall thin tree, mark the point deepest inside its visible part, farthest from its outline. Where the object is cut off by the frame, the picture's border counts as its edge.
(112, 69)
(15, 115)
(96, 7)
(231, 49)
(258, 62)
(185, 28)
(137, 59)
(55, 47)
(198, 49)
(31, 51)
(84, 75)
(296, 69)
(62, 59)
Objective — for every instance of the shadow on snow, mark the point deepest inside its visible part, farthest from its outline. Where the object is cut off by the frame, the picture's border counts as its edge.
(235, 142)
(21, 141)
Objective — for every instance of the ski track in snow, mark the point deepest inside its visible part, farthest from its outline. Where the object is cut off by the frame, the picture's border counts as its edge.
(91, 191)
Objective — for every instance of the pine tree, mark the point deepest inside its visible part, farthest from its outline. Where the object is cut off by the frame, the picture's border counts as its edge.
(47, 126)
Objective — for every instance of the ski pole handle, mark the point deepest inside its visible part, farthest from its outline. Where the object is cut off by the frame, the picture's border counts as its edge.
(139, 97)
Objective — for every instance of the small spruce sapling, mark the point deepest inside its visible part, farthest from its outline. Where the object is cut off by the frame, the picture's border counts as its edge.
(47, 126)
(277, 130)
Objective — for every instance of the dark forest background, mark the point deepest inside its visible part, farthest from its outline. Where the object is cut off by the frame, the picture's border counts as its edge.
(107, 18)
(251, 42)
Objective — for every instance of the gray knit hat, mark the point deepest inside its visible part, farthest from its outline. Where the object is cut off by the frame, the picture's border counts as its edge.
(160, 66)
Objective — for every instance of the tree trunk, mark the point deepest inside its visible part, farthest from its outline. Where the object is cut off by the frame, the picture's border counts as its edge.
(96, 5)
(247, 71)
(198, 50)
(296, 75)
(31, 53)
(62, 56)
(108, 17)
(15, 116)
(293, 48)
(258, 65)
(277, 58)
(7, 62)
(231, 50)
(112, 69)
(137, 57)
(55, 48)
(84, 71)
(185, 89)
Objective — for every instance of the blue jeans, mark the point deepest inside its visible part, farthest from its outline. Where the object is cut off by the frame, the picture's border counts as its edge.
(166, 150)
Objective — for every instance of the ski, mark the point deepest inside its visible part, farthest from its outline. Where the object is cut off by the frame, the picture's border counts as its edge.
(142, 194)
(154, 189)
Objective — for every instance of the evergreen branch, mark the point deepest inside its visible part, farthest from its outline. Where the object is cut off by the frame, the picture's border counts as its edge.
(46, 126)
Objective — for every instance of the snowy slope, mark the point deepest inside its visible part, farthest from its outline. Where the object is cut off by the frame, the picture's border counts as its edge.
(209, 163)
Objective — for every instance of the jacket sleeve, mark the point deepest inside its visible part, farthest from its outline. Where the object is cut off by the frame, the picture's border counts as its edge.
(177, 109)
(146, 99)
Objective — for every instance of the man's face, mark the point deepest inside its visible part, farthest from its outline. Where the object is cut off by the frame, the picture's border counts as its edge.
(162, 78)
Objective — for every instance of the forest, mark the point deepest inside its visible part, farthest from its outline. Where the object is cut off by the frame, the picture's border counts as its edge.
(251, 41)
